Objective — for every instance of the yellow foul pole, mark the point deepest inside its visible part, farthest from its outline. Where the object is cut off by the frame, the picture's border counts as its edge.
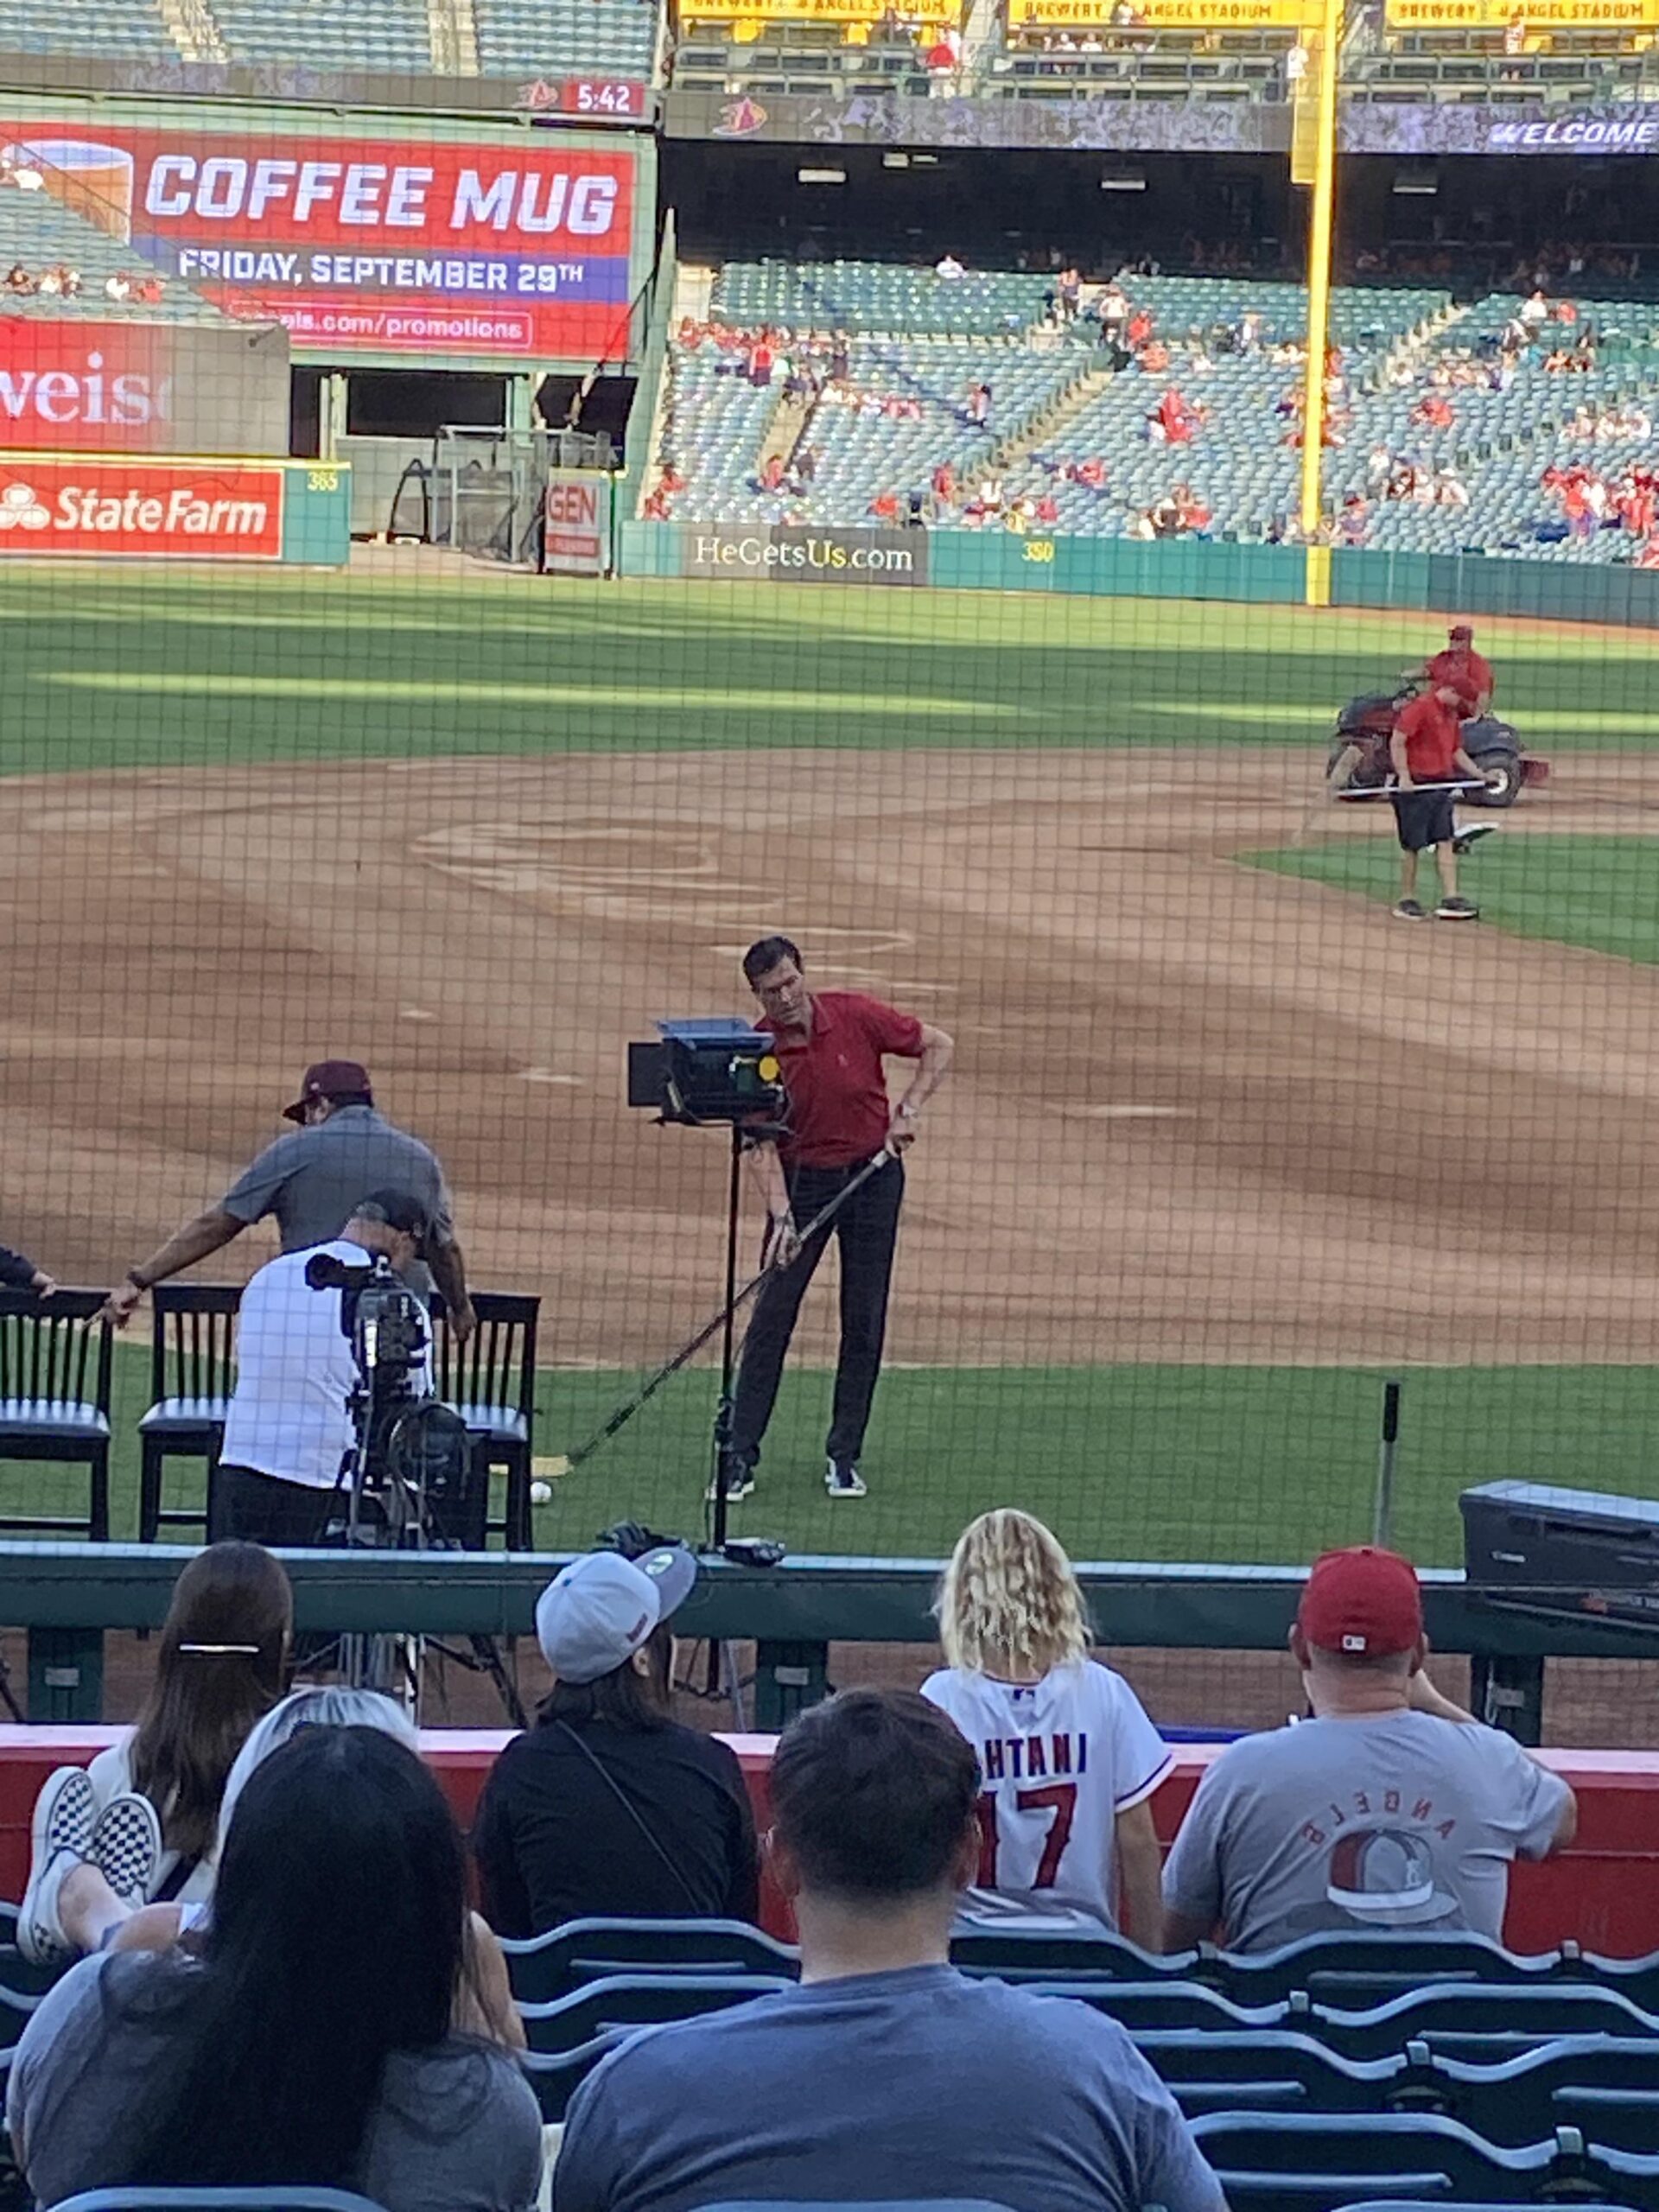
(1328, 64)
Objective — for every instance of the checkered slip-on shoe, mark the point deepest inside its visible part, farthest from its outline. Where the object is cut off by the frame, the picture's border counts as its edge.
(127, 1846)
(60, 1836)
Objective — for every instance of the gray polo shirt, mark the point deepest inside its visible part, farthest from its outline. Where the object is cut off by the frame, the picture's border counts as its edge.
(313, 1180)
(1401, 1820)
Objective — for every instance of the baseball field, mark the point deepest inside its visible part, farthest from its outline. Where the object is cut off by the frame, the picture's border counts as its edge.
(1224, 1145)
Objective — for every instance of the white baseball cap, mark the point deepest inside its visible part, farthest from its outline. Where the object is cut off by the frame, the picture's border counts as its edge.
(594, 1615)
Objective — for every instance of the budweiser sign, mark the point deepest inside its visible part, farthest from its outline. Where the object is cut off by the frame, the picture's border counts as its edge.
(84, 386)
(166, 510)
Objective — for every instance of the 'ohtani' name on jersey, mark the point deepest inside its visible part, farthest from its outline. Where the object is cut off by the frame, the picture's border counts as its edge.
(1024, 1758)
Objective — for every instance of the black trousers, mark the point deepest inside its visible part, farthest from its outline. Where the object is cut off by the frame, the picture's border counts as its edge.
(867, 1227)
(265, 1509)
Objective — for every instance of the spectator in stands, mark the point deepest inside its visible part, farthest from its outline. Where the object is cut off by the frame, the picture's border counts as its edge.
(106, 1921)
(311, 2043)
(223, 1649)
(1534, 313)
(118, 287)
(949, 267)
(608, 1805)
(18, 280)
(1068, 1761)
(1048, 510)
(149, 290)
(886, 2073)
(1138, 330)
(21, 172)
(944, 484)
(886, 506)
(979, 405)
(1392, 1807)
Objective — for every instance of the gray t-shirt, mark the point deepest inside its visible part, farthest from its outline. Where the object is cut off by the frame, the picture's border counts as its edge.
(894, 2086)
(1402, 1820)
(312, 1179)
(457, 2130)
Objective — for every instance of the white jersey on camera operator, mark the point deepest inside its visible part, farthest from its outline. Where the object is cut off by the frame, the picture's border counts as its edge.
(289, 1427)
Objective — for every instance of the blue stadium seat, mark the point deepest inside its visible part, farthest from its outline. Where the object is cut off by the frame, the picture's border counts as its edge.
(637, 2001)
(556, 2075)
(1605, 2086)
(543, 1968)
(1474, 2021)
(1223, 2070)
(1036, 1955)
(1312, 2162)
(1145, 2007)
(1363, 1968)
(217, 2200)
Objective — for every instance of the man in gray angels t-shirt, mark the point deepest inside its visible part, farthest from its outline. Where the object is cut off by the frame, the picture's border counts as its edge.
(1391, 1809)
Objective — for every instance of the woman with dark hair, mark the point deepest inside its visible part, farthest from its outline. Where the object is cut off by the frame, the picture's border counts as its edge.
(310, 2042)
(607, 1805)
(220, 1668)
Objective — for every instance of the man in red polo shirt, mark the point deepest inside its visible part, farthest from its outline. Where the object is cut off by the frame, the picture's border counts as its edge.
(831, 1046)
(1426, 748)
(1470, 674)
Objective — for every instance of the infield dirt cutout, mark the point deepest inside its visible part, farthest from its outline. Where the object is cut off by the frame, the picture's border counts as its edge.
(1200, 1111)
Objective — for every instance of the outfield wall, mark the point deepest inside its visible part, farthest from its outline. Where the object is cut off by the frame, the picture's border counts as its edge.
(1117, 568)
(247, 510)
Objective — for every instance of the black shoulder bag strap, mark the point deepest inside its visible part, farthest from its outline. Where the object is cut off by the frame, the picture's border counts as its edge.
(634, 1814)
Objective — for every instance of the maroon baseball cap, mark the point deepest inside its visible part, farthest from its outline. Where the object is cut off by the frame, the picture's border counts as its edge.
(1362, 1602)
(328, 1079)
(1460, 633)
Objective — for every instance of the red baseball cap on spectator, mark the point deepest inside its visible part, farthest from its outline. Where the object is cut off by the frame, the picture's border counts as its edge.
(329, 1080)
(1362, 1602)
(1460, 633)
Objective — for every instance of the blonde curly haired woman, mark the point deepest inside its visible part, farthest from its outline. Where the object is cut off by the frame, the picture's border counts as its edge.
(1069, 1762)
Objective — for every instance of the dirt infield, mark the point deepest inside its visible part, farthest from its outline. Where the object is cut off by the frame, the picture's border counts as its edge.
(1202, 1112)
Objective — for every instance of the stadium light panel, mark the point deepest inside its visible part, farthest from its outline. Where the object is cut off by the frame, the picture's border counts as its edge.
(820, 176)
(1124, 180)
(1416, 181)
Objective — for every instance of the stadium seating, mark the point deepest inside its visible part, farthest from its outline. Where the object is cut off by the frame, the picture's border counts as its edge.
(545, 1967)
(636, 2001)
(107, 26)
(390, 35)
(38, 230)
(1315, 2162)
(559, 38)
(1059, 408)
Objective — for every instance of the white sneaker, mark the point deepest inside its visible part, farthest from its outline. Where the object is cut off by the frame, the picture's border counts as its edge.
(61, 1837)
(843, 1480)
(1472, 834)
(127, 1846)
(740, 1484)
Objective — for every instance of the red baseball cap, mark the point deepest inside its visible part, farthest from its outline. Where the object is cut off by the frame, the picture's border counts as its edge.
(328, 1079)
(1461, 631)
(1362, 1602)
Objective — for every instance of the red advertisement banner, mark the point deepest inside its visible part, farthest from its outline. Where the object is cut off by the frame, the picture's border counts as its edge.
(367, 245)
(161, 509)
(84, 386)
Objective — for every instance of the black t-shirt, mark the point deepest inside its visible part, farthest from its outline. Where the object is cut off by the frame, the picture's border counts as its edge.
(553, 1844)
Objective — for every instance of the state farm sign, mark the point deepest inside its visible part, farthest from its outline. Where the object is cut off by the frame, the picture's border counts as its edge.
(161, 510)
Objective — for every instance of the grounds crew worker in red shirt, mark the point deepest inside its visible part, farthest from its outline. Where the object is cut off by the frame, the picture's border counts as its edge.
(1426, 748)
(1470, 674)
(831, 1045)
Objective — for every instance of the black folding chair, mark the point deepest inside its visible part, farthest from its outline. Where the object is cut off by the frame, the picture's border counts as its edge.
(491, 1382)
(192, 1372)
(54, 1399)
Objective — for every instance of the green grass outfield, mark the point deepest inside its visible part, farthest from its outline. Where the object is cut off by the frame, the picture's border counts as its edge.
(1154, 1462)
(158, 667)
(1599, 892)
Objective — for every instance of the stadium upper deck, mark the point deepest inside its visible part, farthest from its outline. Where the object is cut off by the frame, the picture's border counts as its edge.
(1512, 55)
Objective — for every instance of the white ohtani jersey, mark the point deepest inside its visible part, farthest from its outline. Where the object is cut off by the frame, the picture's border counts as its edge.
(1059, 1761)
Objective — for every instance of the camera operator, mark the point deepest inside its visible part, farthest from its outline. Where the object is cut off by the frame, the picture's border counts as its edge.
(290, 1428)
